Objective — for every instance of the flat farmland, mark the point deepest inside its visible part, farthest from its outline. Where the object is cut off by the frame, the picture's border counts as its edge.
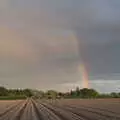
(68, 109)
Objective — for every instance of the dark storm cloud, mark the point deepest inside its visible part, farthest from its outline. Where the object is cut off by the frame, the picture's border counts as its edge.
(99, 39)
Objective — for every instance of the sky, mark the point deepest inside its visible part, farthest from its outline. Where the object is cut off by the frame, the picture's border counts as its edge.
(43, 43)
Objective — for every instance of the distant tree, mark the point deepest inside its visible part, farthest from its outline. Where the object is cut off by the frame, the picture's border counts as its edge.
(119, 95)
(51, 94)
(88, 93)
(114, 95)
(71, 92)
(60, 95)
(77, 91)
(28, 93)
(3, 91)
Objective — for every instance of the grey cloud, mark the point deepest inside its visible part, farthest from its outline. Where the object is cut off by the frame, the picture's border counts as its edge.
(101, 85)
(102, 59)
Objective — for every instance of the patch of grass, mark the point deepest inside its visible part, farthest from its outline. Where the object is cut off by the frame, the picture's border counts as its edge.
(12, 97)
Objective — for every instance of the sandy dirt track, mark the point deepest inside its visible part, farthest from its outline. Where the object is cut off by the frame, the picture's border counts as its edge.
(29, 109)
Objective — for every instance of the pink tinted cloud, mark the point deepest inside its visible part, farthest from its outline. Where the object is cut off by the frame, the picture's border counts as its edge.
(12, 45)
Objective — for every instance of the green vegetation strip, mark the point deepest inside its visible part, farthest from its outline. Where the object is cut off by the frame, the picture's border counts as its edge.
(12, 97)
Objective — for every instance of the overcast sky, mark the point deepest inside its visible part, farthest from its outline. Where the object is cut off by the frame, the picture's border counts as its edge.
(44, 42)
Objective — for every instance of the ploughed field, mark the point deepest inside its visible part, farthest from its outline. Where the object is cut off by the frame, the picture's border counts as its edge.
(77, 109)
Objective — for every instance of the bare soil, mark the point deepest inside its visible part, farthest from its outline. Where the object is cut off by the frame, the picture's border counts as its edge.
(69, 109)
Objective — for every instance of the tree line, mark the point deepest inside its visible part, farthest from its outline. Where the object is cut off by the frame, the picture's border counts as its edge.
(52, 94)
(91, 93)
(14, 93)
(77, 93)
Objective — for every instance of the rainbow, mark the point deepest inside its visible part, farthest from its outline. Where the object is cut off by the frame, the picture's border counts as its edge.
(83, 71)
(84, 76)
(82, 68)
